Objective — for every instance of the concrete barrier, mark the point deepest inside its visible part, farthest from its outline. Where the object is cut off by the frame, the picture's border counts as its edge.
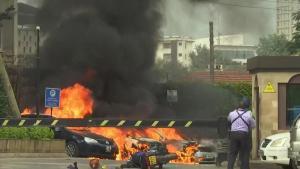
(32, 146)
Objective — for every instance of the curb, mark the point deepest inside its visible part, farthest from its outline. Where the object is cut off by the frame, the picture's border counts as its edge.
(33, 155)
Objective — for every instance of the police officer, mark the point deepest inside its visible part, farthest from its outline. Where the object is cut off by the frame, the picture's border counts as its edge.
(241, 124)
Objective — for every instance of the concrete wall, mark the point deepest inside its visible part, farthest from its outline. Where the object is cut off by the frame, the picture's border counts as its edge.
(9, 29)
(268, 119)
(32, 146)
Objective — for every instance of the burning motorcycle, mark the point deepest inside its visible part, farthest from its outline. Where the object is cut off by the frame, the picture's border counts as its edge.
(148, 160)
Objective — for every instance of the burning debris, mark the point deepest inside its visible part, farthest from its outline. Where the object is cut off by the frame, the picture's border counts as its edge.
(77, 102)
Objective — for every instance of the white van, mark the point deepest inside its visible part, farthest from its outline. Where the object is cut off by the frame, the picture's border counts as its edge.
(274, 149)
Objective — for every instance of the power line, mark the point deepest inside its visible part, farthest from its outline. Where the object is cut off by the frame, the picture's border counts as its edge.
(269, 1)
(254, 7)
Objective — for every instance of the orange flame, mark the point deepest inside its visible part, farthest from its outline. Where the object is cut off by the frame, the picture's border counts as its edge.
(27, 111)
(77, 102)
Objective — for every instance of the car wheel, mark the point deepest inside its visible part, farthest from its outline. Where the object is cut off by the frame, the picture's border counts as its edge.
(72, 149)
(293, 164)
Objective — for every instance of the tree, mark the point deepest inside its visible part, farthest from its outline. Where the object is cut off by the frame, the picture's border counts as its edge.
(200, 58)
(167, 71)
(273, 45)
(295, 43)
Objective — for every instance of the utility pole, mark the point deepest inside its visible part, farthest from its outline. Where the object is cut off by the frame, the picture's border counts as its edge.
(211, 54)
(38, 71)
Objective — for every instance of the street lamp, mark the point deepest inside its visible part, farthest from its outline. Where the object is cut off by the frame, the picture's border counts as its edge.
(38, 71)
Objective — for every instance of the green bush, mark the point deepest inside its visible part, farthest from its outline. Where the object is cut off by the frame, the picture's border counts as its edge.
(4, 108)
(36, 133)
(239, 89)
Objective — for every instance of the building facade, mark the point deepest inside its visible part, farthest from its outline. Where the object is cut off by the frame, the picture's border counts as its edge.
(27, 45)
(8, 30)
(275, 94)
(285, 22)
(175, 49)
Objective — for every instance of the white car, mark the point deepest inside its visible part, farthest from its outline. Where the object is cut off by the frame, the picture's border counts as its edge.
(274, 149)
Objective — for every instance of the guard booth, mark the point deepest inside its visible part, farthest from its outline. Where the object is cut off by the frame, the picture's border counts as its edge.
(275, 94)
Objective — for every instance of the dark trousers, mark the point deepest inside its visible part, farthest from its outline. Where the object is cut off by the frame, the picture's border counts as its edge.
(240, 143)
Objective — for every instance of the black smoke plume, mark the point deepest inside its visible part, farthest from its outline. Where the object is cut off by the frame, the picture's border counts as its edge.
(107, 45)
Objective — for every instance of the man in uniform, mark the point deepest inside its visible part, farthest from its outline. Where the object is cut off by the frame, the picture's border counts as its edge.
(241, 124)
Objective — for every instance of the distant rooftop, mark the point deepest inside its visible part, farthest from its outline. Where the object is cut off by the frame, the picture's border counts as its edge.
(185, 38)
(225, 76)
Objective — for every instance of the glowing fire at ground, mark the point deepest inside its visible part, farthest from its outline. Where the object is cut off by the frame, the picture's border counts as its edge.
(77, 102)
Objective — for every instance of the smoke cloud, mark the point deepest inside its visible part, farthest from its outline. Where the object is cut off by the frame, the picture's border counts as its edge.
(109, 46)
(253, 18)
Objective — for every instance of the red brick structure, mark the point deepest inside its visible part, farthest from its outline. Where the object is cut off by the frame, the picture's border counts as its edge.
(225, 76)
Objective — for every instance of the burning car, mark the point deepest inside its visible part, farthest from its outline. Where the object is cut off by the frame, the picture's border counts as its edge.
(83, 143)
(205, 154)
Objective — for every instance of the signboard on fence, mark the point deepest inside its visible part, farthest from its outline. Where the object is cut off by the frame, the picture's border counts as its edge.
(52, 97)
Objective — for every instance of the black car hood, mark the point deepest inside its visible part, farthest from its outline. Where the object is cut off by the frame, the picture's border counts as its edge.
(87, 133)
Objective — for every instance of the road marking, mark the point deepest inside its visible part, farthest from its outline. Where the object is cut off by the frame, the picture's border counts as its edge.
(21, 122)
(188, 124)
(121, 123)
(54, 122)
(154, 123)
(171, 124)
(104, 122)
(5, 122)
(138, 123)
(37, 122)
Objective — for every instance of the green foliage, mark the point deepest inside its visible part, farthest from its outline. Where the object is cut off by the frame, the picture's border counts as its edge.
(202, 100)
(273, 45)
(295, 44)
(36, 133)
(167, 71)
(239, 89)
(200, 58)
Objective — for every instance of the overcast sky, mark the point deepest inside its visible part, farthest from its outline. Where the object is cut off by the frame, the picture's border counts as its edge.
(256, 18)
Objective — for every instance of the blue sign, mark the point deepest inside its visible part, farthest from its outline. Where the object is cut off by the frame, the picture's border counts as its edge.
(52, 97)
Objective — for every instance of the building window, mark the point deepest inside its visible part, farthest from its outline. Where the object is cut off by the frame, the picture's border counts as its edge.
(167, 45)
(24, 38)
(180, 44)
(24, 49)
(19, 43)
(30, 38)
(30, 49)
(180, 54)
(293, 102)
(167, 57)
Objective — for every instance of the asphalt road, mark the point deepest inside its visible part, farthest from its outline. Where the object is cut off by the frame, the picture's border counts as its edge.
(62, 163)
